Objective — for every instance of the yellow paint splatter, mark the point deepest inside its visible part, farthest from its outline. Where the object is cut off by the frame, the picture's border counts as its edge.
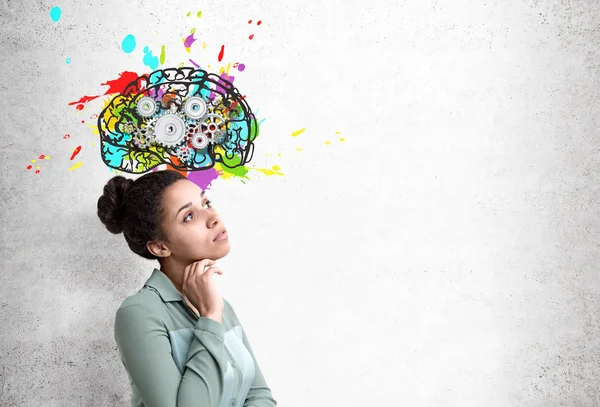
(221, 70)
(297, 132)
(189, 13)
(279, 155)
(193, 30)
(267, 171)
(298, 148)
(33, 161)
(199, 14)
(47, 157)
(228, 66)
(75, 166)
(37, 167)
(342, 139)
(337, 132)
(204, 45)
(209, 67)
(327, 142)
(276, 167)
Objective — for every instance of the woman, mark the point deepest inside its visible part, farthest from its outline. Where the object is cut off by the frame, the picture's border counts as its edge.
(180, 342)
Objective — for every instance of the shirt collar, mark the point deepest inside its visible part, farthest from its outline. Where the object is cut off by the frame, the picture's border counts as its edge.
(164, 286)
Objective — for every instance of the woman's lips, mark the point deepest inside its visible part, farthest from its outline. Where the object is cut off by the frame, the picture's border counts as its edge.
(221, 236)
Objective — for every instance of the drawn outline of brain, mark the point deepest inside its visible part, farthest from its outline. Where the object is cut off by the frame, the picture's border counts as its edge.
(185, 117)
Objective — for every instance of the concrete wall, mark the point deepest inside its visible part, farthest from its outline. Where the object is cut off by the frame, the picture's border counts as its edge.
(445, 254)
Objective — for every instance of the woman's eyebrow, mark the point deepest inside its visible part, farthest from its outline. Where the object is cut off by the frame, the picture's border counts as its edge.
(187, 205)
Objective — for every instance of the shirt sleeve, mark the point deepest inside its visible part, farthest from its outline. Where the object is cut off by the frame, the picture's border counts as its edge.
(259, 394)
(143, 342)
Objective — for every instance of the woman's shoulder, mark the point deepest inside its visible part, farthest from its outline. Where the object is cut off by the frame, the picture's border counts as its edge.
(145, 301)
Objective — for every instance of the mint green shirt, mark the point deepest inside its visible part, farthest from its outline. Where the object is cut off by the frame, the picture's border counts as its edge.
(175, 359)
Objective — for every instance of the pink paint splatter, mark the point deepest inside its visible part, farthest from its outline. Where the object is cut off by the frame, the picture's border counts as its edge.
(189, 41)
(203, 178)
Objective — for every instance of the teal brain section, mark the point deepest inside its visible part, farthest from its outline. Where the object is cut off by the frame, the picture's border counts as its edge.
(185, 117)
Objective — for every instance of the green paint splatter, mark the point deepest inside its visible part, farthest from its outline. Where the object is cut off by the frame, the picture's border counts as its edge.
(162, 55)
(199, 14)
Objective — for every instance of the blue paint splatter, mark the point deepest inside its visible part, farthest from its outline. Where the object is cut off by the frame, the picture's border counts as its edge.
(128, 43)
(149, 60)
(55, 13)
(68, 60)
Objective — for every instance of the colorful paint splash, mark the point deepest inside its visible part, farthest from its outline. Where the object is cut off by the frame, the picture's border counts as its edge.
(150, 60)
(55, 13)
(37, 167)
(128, 44)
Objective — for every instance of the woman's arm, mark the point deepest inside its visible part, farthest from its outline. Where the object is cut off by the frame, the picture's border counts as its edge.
(259, 394)
(143, 343)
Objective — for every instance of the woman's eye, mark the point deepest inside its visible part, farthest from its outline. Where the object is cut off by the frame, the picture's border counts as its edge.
(187, 217)
(209, 203)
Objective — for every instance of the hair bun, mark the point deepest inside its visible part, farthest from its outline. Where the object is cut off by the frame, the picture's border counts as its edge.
(110, 208)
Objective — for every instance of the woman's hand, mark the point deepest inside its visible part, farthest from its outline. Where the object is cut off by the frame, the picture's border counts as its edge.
(200, 289)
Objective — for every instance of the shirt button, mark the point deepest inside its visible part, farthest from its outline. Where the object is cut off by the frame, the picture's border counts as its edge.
(233, 402)
(233, 365)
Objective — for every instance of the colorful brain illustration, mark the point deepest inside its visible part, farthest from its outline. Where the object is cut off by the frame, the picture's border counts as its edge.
(185, 117)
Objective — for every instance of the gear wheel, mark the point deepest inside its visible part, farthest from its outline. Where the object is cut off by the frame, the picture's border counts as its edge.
(140, 137)
(168, 129)
(184, 153)
(214, 126)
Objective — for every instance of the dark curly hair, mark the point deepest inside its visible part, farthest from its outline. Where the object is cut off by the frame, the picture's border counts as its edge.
(136, 208)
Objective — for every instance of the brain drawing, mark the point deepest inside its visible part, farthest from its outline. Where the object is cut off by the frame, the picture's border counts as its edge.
(185, 117)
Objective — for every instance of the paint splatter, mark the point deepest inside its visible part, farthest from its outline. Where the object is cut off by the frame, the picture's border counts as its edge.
(74, 167)
(55, 13)
(241, 67)
(189, 40)
(297, 132)
(221, 53)
(150, 60)
(114, 86)
(258, 23)
(75, 152)
(66, 136)
(37, 168)
(79, 107)
(199, 14)
(128, 44)
(162, 55)
(68, 60)
(195, 64)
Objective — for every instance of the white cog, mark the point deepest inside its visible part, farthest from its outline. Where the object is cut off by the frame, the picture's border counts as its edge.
(195, 107)
(168, 130)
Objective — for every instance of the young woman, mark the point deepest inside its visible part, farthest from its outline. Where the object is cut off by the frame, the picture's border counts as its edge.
(180, 342)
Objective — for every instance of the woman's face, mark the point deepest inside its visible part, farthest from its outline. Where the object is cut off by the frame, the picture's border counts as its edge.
(192, 224)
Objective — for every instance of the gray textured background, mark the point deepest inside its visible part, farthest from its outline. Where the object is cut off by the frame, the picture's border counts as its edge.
(446, 254)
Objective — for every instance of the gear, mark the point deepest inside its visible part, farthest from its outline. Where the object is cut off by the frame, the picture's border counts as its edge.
(200, 141)
(146, 106)
(195, 107)
(184, 154)
(213, 125)
(139, 136)
(168, 129)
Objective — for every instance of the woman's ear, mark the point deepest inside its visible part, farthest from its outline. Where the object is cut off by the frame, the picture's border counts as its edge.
(158, 248)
